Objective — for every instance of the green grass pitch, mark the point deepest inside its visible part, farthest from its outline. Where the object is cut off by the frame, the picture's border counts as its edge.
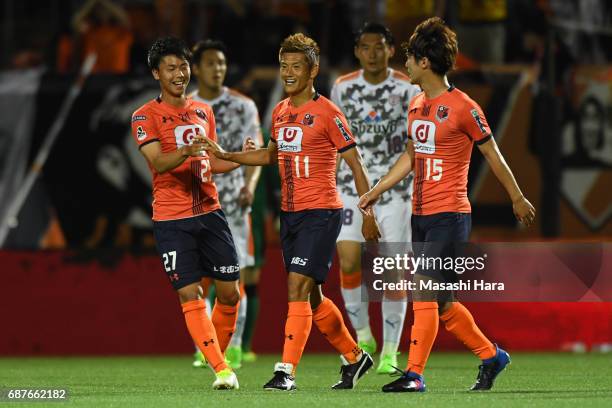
(532, 380)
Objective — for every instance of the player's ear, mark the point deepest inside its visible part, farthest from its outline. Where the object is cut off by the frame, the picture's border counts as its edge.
(391, 51)
(155, 73)
(356, 51)
(424, 63)
(314, 71)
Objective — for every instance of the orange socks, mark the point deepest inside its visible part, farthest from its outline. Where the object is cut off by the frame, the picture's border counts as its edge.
(329, 320)
(297, 330)
(224, 319)
(423, 334)
(203, 333)
(459, 321)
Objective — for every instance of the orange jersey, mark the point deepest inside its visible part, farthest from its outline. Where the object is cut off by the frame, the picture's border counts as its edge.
(443, 130)
(308, 139)
(188, 189)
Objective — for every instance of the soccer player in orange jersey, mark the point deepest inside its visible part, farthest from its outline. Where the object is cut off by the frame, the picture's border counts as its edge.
(189, 225)
(308, 132)
(443, 125)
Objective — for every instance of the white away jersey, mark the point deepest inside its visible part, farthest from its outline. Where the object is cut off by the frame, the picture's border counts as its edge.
(377, 115)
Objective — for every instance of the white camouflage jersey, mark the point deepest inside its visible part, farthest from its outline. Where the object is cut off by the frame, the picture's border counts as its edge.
(237, 119)
(377, 115)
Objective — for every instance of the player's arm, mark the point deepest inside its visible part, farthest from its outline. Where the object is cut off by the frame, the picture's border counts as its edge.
(163, 162)
(523, 210)
(251, 177)
(353, 159)
(257, 157)
(400, 170)
(223, 166)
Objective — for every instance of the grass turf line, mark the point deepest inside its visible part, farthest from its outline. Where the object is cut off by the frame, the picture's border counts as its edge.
(533, 380)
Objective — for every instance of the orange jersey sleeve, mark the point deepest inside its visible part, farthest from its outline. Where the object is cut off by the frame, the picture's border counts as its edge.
(308, 140)
(188, 189)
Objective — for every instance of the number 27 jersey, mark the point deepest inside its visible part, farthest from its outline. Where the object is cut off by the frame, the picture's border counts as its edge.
(444, 130)
(308, 140)
(187, 190)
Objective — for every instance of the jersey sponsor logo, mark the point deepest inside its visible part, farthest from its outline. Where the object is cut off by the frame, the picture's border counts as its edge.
(476, 117)
(226, 269)
(373, 116)
(442, 113)
(136, 118)
(360, 128)
(296, 260)
(345, 134)
(185, 134)
(140, 134)
(424, 134)
(289, 139)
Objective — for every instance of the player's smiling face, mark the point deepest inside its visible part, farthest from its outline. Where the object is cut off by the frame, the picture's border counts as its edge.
(373, 52)
(296, 73)
(173, 75)
(211, 69)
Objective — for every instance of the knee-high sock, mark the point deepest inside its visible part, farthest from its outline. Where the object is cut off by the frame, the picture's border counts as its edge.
(394, 314)
(203, 333)
(297, 330)
(356, 304)
(251, 316)
(224, 319)
(236, 340)
(459, 321)
(329, 321)
(422, 335)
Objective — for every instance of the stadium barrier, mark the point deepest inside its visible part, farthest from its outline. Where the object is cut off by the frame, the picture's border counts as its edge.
(110, 302)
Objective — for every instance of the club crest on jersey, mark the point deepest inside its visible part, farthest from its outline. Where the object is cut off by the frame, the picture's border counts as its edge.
(289, 139)
(442, 113)
(308, 120)
(424, 136)
(200, 114)
(185, 134)
(476, 116)
(344, 132)
(140, 134)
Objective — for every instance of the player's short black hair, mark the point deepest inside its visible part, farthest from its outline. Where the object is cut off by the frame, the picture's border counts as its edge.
(167, 46)
(434, 40)
(375, 28)
(205, 45)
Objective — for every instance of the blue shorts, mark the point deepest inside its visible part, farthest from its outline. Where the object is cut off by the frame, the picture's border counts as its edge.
(308, 239)
(440, 235)
(197, 247)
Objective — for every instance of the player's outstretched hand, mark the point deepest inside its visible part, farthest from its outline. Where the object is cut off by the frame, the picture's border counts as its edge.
(249, 144)
(370, 229)
(366, 202)
(524, 211)
(212, 147)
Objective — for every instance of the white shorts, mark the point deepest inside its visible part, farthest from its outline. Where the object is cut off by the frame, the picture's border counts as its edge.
(393, 219)
(243, 238)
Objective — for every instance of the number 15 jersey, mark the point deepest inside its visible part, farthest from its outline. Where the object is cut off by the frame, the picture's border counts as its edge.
(308, 139)
(444, 130)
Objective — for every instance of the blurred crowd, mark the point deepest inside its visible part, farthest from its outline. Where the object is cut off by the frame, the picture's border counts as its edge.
(60, 33)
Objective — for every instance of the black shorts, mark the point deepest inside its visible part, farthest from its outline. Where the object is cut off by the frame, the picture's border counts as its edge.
(440, 235)
(197, 247)
(308, 239)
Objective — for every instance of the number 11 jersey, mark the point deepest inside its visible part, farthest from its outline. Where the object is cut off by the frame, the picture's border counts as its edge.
(308, 139)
